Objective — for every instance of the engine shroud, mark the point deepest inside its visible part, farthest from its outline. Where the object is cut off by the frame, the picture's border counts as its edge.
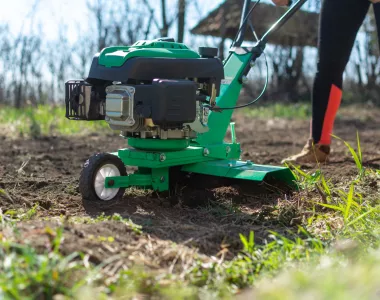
(150, 90)
(149, 60)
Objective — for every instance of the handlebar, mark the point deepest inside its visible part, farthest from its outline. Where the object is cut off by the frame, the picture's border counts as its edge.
(285, 17)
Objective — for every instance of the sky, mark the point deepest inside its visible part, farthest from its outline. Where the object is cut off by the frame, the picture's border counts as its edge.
(74, 14)
(49, 14)
(70, 12)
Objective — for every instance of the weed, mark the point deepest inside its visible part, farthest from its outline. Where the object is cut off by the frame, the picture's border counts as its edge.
(248, 244)
(17, 215)
(71, 189)
(29, 214)
(103, 218)
(305, 180)
(222, 209)
(357, 156)
(26, 274)
(4, 194)
(259, 260)
(21, 214)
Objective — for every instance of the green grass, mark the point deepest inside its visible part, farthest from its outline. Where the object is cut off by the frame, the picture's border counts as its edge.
(44, 120)
(334, 255)
(299, 264)
(333, 277)
(300, 111)
(27, 274)
(48, 120)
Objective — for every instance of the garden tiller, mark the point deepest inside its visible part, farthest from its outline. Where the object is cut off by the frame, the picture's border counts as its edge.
(174, 106)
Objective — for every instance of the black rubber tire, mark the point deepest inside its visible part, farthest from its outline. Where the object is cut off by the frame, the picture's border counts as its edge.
(90, 168)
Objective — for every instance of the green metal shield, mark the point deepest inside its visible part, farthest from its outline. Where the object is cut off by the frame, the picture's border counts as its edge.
(242, 170)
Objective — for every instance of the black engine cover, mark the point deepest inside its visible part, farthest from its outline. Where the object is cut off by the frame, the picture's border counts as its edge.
(148, 68)
(169, 103)
(175, 102)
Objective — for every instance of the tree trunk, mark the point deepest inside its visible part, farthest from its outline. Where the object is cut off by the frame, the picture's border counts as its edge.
(165, 26)
(181, 20)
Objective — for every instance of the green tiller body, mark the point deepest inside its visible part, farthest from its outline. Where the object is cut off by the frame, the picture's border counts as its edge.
(174, 106)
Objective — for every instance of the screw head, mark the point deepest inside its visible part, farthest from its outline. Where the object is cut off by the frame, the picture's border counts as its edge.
(244, 79)
(111, 182)
(206, 152)
(251, 63)
(228, 149)
(162, 157)
(162, 179)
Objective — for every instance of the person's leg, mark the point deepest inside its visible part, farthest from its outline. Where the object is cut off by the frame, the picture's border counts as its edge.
(339, 24)
(376, 8)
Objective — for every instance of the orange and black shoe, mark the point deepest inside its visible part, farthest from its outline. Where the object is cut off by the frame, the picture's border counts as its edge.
(310, 154)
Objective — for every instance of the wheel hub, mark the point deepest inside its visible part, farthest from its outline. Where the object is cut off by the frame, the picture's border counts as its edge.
(101, 191)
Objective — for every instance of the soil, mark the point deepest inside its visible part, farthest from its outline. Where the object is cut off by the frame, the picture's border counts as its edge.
(46, 171)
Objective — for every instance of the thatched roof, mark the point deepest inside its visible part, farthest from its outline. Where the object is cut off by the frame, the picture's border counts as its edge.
(300, 30)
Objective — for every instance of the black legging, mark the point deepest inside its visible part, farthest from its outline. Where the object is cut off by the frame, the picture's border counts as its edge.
(339, 24)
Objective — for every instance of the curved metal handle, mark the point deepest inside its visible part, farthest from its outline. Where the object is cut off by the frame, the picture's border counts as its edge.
(243, 24)
(285, 17)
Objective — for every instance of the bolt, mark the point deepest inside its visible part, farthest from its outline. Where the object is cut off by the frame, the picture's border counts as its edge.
(249, 162)
(244, 79)
(251, 63)
(206, 152)
(162, 179)
(228, 149)
(162, 157)
(230, 165)
(111, 182)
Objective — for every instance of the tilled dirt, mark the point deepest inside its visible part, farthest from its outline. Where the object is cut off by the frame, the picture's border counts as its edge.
(46, 171)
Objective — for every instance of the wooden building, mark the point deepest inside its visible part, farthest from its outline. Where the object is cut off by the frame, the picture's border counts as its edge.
(300, 30)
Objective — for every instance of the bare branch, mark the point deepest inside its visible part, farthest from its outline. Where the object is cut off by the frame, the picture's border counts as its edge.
(152, 17)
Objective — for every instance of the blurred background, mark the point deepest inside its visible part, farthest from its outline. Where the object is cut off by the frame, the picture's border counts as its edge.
(44, 43)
